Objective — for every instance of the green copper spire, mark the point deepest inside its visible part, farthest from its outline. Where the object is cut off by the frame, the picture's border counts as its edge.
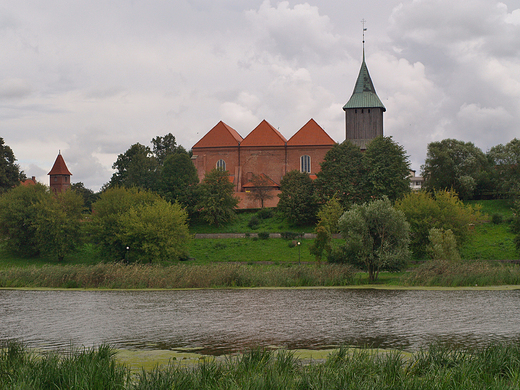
(364, 95)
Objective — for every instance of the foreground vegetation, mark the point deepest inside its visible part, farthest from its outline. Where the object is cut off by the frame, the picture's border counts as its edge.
(225, 275)
(496, 366)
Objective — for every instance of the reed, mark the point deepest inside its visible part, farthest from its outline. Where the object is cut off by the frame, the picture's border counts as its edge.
(462, 273)
(496, 366)
(136, 276)
(78, 369)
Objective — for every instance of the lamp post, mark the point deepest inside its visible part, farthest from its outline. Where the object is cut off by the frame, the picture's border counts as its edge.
(299, 253)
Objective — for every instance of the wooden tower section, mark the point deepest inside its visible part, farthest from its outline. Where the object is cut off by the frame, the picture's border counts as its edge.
(364, 111)
(59, 176)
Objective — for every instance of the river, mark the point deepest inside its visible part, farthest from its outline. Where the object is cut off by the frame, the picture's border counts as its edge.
(222, 321)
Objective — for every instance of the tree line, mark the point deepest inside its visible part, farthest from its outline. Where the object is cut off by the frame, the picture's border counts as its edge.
(142, 213)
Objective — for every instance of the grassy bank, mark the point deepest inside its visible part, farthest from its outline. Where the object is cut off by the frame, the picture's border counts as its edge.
(443, 273)
(437, 367)
(135, 276)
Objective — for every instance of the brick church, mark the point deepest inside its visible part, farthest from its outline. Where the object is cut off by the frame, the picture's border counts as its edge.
(265, 152)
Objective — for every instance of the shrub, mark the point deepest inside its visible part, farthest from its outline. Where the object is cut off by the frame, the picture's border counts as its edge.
(253, 222)
(290, 235)
(443, 245)
(263, 235)
(496, 218)
(264, 213)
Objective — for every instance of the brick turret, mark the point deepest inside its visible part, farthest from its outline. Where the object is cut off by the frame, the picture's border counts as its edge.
(59, 175)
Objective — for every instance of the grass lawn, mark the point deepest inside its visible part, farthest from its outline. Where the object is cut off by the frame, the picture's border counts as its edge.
(495, 206)
(272, 224)
(249, 250)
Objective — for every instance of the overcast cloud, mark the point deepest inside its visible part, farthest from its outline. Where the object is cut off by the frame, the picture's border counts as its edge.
(91, 78)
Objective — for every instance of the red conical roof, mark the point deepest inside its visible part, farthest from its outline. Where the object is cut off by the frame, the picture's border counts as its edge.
(59, 167)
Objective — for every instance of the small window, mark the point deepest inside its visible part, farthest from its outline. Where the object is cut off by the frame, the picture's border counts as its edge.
(221, 165)
(305, 164)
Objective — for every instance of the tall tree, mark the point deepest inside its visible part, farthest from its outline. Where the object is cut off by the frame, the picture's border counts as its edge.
(377, 234)
(505, 161)
(387, 169)
(298, 202)
(137, 167)
(341, 175)
(18, 208)
(455, 164)
(35, 221)
(162, 147)
(57, 223)
(217, 203)
(178, 181)
(10, 174)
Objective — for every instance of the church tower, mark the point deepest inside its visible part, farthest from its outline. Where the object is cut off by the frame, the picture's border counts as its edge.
(364, 110)
(59, 176)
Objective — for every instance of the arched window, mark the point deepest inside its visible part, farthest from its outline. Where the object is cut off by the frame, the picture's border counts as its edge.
(221, 165)
(305, 164)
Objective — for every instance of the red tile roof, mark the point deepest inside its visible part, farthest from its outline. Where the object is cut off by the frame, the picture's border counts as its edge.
(219, 136)
(310, 134)
(59, 167)
(264, 135)
(268, 183)
(28, 182)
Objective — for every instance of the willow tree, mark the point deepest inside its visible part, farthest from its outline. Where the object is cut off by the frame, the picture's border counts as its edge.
(377, 235)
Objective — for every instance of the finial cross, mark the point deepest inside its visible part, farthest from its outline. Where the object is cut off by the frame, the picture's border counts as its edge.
(364, 29)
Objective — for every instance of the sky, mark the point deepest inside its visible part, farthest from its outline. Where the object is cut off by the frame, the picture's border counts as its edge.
(91, 78)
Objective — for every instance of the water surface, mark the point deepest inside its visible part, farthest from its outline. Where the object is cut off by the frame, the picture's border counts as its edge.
(219, 321)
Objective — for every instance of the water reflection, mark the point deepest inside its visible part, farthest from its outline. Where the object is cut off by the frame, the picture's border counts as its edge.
(218, 321)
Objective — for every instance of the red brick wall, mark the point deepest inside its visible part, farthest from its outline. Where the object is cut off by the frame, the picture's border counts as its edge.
(267, 160)
(316, 153)
(270, 161)
(59, 183)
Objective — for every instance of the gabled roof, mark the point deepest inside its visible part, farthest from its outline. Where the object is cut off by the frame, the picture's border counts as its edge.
(218, 136)
(264, 135)
(311, 134)
(267, 182)
(59, 167)
(364, 95)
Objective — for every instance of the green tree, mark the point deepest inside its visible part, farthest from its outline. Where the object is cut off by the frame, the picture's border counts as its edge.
(157, 231)
(163, 147)
(342, 172)
(328, 218)
(217, 202)
(443, 245)
(137, 167)
(505, 161)
(298, 203)
(121, 217)
(458, 165)
(377, 235)
(387, 169)
(442, 210)
(179, 180)
(18, 208)
(87, 194)
(262, 189)
(57, 223)
(10, 174)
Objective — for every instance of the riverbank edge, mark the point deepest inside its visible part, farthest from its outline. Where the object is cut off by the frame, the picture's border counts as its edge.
(352, 287)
